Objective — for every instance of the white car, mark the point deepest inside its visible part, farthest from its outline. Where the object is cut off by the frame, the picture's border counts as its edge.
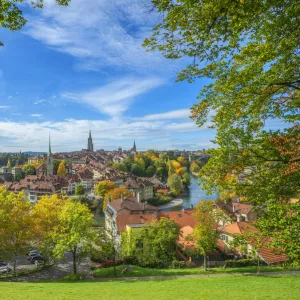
(5, 270)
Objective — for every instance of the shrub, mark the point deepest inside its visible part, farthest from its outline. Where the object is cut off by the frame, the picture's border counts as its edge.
(239, 263)
(178, 264)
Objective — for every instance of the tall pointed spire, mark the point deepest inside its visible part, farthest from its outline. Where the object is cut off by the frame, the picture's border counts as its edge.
(49, 152)
(90, 143)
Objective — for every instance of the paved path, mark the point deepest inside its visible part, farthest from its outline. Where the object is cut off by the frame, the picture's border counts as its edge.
(196, 276)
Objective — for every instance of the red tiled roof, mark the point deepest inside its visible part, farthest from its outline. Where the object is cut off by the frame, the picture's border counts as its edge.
(182, 218)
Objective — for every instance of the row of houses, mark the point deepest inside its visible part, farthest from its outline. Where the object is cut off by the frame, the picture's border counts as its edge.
(133, 213)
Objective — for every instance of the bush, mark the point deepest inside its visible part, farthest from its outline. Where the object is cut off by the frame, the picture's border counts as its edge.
(239, 263)
(178, 264)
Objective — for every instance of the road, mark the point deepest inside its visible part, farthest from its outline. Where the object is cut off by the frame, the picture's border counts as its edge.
(61, 269)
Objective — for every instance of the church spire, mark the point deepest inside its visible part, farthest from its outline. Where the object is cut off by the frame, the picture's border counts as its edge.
(90, 143)
(49, 152)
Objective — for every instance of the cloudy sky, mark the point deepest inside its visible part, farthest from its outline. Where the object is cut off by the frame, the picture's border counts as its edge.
(82, 67)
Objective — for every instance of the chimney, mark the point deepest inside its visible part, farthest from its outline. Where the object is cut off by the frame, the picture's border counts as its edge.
(138, 196)
(122, 197)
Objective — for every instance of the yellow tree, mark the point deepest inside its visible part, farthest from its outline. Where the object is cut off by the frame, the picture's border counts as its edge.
(75, 232)
(9, 164)
(46, 222)
(104, 187)
(62, 171)
(182, 161)
(176, 164)
(180, 171)
(15, 224)
(115, 194)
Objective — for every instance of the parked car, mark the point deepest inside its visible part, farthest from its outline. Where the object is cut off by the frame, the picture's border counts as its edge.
(3, 263)
(33, 252)
(32, 259)
(5, 270)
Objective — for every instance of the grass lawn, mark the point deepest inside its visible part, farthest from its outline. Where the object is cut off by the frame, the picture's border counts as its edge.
(231, 288)
(140, 272)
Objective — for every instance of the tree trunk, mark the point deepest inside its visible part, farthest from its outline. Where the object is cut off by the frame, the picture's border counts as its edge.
(205, 262)
(74, 261)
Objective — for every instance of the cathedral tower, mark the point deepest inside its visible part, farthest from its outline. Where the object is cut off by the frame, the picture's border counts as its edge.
(90, 146)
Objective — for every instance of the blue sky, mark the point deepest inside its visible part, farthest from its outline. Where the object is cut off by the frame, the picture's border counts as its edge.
(80, 68)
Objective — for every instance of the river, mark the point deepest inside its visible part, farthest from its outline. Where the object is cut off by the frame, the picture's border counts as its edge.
(194, 195)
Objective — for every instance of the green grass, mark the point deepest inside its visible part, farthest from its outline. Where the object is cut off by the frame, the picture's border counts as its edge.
(141, 272)
(225, 288)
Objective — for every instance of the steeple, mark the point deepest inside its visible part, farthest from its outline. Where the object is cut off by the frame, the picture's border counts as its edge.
(90, 143)
(49, 152)
(134, 147)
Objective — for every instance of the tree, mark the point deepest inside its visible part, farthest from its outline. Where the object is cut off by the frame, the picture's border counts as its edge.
(56, 164)
(137, 170)
(175, 184)
(205, 233)
(171, 168)
(250, 54)
(119, 166)
(176, 164)
(159, 242)
(186, 179)
(15, 225)
(11, 16)
(8, 164)
(128, 244)
(194, 168)
(104, 187)
(29, 169)
(46, 221)
(180, 171)
(182, 161)
(150, 171)
(105, 246)
(62, 171)
(79, 190)
(75, 233)
(115, 194)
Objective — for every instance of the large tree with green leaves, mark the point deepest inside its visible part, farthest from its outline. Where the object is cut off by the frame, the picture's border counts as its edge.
(159, 242)
(206, 232)
(11, 15)
(74, 233)
(249, 51)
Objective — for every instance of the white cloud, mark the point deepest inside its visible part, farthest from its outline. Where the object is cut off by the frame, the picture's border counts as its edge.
(4, 107)
(39, 101)
(72, 134)
(174, 114)
(100, 33)
(115, 98)
(36, 115)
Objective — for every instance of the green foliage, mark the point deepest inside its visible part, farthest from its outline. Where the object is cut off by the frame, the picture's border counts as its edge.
(180, 264)
(62, 171)
(79, 190)
(128, 244)
(249, 51)
(240, 263)
(74, 232)
(150, 171)
(29, 169)
(11, 15)
(56, 163)
(175, 184)
(205, 233)
(137, 170)
(159, 242)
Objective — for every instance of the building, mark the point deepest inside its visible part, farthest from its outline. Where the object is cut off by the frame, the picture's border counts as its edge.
(16, 172)
(127, 213)
(265, 252)
(236, 212)
(90, 146)
(6, 174)
(140, 185)
(50, 165)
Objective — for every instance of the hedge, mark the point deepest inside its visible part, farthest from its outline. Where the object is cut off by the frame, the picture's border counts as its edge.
(237, 263)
